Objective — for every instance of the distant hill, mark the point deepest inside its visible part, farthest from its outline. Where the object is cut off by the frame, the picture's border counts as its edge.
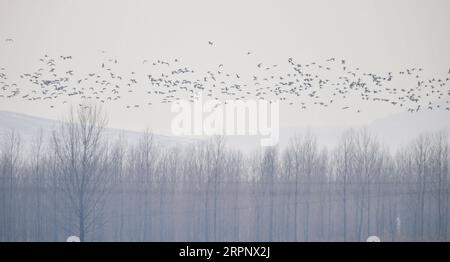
(394, 131)
(30, 126)
(399, 129)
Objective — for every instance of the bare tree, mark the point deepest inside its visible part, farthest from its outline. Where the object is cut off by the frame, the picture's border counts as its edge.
(344, 161)
(11, 162)
(80, 152)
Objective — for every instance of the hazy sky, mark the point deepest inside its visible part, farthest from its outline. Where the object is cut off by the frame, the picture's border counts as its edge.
(378, 36)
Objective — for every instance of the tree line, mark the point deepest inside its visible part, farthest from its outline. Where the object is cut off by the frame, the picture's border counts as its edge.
(78, 181)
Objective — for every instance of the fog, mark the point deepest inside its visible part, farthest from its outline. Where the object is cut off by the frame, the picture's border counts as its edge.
(88, 148)
(76, 182)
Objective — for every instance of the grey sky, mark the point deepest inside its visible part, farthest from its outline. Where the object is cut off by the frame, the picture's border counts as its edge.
(378, 36)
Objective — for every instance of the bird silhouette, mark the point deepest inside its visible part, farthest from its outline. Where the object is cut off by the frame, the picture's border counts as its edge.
(328, 83)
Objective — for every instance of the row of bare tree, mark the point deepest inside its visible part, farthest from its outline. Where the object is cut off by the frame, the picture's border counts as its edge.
(80, 182)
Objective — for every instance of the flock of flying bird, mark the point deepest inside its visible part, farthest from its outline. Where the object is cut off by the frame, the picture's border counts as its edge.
(332, 82)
